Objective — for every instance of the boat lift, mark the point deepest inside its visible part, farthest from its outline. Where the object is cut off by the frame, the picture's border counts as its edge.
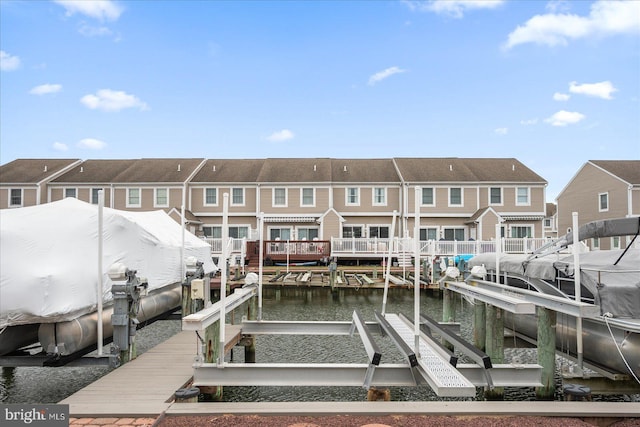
(427, 361)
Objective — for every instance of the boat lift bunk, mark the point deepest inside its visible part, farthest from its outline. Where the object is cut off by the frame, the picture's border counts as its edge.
(427, 361)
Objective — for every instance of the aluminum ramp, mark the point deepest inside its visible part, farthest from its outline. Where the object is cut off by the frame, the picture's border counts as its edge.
(442, 377)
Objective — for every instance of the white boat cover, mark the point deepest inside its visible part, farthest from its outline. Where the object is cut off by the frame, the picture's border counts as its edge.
(49, 257)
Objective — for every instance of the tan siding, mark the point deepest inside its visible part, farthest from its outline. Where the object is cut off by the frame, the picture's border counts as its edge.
(4, 198)
(635, 204)
(175, 198)
(29, 197)
(322, 199)
(57, 193)
(331, 226)
(339, 198)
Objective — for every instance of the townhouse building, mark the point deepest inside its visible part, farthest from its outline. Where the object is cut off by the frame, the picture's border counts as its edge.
(601, 189)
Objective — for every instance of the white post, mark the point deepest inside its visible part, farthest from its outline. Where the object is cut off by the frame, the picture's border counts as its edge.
(100, 284)
(416, 273)
(287, 255)
(498, 249)
(223, 277)
(261, 259)
(388, 266)
(578, 291)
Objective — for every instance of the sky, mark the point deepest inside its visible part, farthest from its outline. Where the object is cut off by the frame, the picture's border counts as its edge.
(551, 83)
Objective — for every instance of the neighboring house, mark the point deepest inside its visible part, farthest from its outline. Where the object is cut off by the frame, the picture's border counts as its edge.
(24, 182)
(550, 224)
(601, 189)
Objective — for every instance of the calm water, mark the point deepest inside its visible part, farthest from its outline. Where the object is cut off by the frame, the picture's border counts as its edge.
(50, 385)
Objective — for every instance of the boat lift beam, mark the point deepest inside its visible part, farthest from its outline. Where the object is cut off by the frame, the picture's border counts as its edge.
(511, 302)
(274, 327)
(200, 320)
(552, 302)
(373, 352)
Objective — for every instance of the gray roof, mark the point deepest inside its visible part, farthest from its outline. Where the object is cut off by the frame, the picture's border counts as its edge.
(229, 171)
(95, 171)
(158, 170)
(364, 171)
(32, 171)
(627, 170)
(296, 170)
(454, 169)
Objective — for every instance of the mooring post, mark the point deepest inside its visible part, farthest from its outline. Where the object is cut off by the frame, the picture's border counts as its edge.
(186, 298)
(546, 352)
(480, 325)
(250, 348)
(494, 345)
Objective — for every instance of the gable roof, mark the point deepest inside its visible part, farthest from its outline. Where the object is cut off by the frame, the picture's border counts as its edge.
(454, 169)
(229, 171)
(33, 171)
(95, 171)
(364, 171)
(159, 170)
(626, 170)
(296, 170)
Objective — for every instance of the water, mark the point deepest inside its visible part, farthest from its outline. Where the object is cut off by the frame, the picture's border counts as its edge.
(50, 385)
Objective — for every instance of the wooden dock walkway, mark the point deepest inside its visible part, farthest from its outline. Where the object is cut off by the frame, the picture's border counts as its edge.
(146, 385)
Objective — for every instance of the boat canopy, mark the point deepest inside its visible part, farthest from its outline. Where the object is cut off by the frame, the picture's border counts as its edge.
(49, 257)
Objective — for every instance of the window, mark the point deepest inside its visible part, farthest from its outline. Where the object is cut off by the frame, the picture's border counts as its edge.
(95, 195)
(15, 197)
(427, 197)
(280, 234)
(522, 196)
(495, 196)
(161, 198)
(595, 243)
(307, 233)
(454, 234)
(604, 202)
(615, 242)
(430, 233)
(547, 222)
(521, 231)
(349, 231)
(70, 192)
(210, 196)
(237, 196)
(133, 198)
(237, 232)
(279, 197)
(308, 197)
(379, 231)
(379, 196)
(455, 196)
(353, 196)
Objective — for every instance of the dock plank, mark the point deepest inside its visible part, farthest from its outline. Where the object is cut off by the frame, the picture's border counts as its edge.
(144, 386)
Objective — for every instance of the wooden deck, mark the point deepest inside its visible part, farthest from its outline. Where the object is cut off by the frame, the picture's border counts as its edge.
(146, 385)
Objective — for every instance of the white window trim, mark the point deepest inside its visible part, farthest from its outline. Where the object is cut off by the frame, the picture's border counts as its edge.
(455, 227)
(613, 245)
(606, 193)
(595, 243)
(244, 197)
(373, 196)
(430, 227)
(132, 205)
(275, 227)
(286, 197)
(204, 196)
(155, 198)
(361, 226)
(461, 205)
(305, 227)
(75, 190)
(530, 225)
(501, 197)
(11, 205)
(433, 194)
(313, 203)
(370, 226)
(346, 196)
(91, 194)
(528, 203)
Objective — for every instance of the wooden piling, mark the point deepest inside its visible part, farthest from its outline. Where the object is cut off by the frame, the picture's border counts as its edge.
(546, 352)
(480, 325)
(448, 312)
(494, 345)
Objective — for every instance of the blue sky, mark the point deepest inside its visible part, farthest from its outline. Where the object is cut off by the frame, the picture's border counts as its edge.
(553, 84)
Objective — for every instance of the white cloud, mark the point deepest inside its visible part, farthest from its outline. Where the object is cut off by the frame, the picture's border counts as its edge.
(111, 100)
(381, 75)
(601, 90)
(60, 146)
(92, 144)
(45, 89)
(564, 118)
(501, 131)
(605, 18)
(281, 135)
(561, 96)
(453, 8)
(91, 31)
(103, 10)
(8, 62)
(529, 122)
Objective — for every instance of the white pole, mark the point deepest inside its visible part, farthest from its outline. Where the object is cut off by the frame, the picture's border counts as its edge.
(287, 255)
(416, 274)
(223, 277)
(578, 291)
(261, 259)
(388, 266)
(99, 288)
(498, 249)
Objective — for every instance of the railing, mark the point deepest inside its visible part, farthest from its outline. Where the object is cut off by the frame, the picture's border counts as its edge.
(314, 249)
(235, 245)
